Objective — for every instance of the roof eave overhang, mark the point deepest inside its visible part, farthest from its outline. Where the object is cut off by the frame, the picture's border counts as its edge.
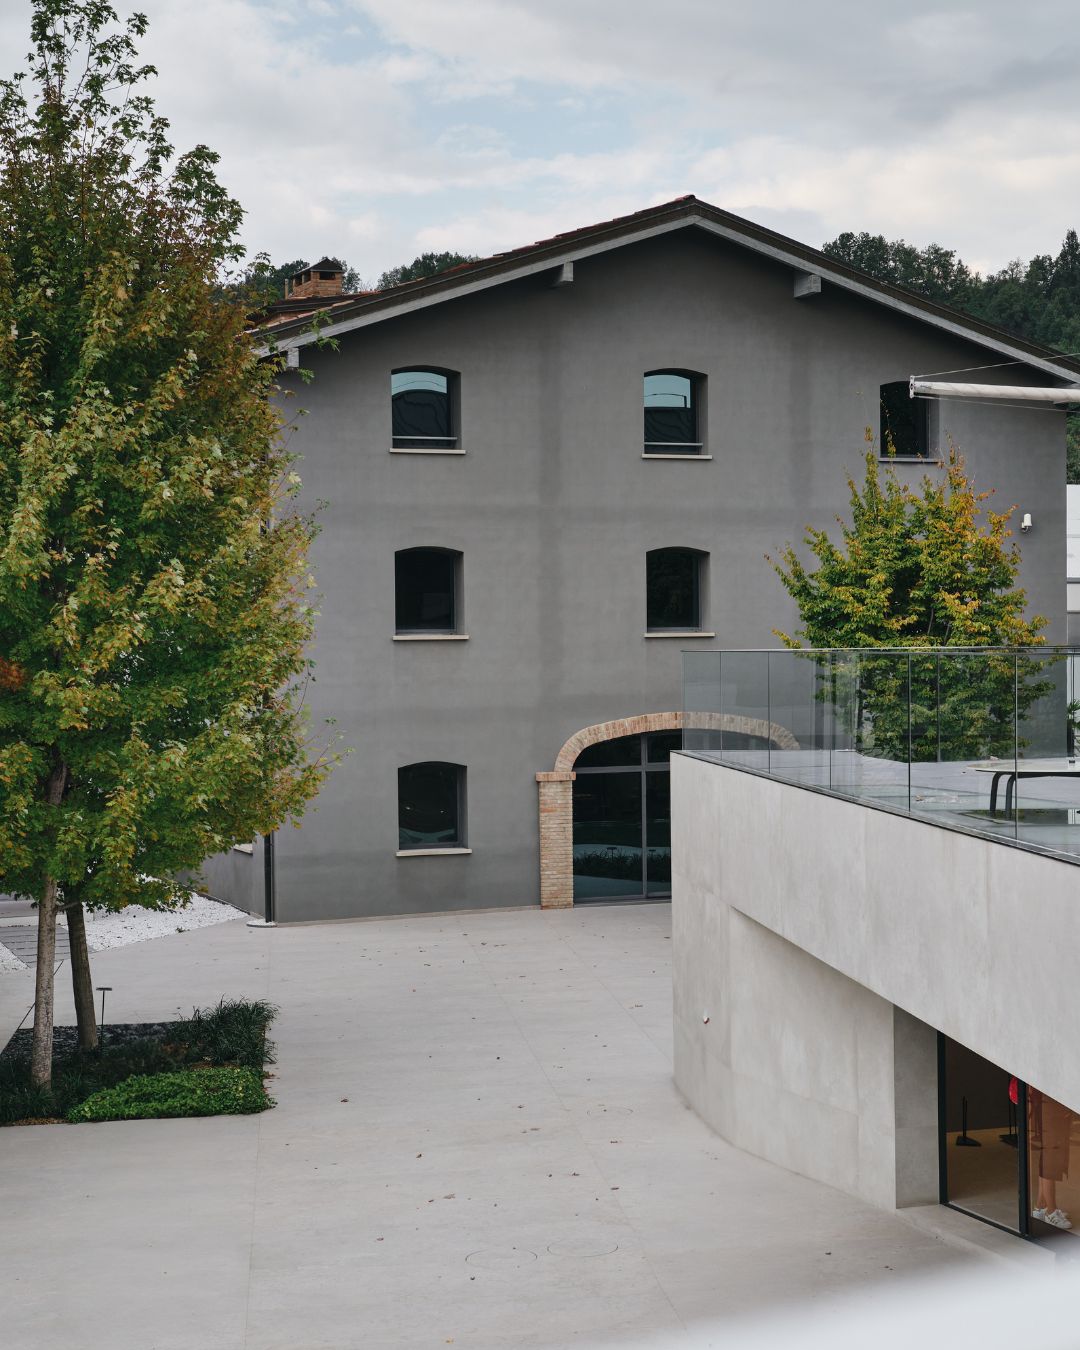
(790, 255)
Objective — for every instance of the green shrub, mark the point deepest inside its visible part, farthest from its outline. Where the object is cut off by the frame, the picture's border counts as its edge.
(232, 1033)
(221, 1091)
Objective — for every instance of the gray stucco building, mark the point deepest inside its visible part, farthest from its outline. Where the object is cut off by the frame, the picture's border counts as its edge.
(545, 425)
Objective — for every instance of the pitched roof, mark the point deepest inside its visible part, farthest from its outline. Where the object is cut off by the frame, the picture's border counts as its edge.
(357, 311)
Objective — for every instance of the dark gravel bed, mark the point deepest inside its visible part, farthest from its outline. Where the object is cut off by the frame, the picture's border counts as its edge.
(66, 1039)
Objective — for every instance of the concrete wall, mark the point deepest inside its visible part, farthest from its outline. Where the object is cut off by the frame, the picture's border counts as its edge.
(825, 941)
(236, 877)
(554, 510)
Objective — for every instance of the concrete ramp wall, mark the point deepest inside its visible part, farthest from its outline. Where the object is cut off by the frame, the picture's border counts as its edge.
(818, 944)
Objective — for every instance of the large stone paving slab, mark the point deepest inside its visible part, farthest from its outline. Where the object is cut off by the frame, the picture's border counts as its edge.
(477, 1143)
(21, 941)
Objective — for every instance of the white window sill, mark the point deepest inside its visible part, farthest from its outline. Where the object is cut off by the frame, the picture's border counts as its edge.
(910, 459)
(432, 852)
(679, 633)
(243, 848)
(430, 450)
(646, 455)
(431, 637)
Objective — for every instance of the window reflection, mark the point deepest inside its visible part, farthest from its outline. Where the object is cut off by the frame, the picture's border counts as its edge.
(430, 797)
(671, 413)
(421, 411)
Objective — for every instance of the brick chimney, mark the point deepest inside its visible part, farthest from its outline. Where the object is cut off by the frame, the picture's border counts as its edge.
(320, 279)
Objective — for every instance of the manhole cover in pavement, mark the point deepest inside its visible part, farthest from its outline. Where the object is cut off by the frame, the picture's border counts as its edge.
(583, 1247)
(501, 1258)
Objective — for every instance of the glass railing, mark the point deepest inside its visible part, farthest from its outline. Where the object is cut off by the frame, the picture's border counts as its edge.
(981, 738)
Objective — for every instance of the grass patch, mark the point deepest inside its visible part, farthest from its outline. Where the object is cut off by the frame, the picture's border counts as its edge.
(232, 1034)
(222, 1091)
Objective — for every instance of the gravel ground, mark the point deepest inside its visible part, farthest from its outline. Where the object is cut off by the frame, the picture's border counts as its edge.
(66, 1039)
(9, 962)
(135, 924)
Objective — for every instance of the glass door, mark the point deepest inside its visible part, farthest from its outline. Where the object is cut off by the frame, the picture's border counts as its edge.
(980, 1139)
(622, 818)
(607, 835)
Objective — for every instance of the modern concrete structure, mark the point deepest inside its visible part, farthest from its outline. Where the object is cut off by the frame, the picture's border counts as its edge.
(875, 982)
(468, 677)
(1072, 497)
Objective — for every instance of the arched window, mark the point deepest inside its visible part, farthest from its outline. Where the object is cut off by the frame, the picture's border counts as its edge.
(673, 583)
(427, 590)
(431, 806)
(422, 409)
(673, 423)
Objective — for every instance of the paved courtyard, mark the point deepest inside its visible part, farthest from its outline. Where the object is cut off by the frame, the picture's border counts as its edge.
(477, 1143)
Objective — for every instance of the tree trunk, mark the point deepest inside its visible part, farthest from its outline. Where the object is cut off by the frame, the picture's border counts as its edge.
(82, 986)
(42, 1046)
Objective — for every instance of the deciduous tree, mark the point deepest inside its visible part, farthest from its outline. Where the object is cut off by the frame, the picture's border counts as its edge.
(153, 580)
(931, 566)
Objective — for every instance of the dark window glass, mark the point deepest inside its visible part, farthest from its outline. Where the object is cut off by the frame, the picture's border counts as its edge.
(673, 589)
(658, 833)
(425, 582)
(979, 1149)
(607, 835)
(905, 422)
(624, 750)
(671, 415)
(327, 276)
(429, 805)
(420, 402)
(660, 745)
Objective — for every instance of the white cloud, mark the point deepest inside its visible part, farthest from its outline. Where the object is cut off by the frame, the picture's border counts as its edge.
(378, 128)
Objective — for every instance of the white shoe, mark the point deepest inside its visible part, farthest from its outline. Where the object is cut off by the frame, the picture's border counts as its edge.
(1039, 1214)
(1058, 1218)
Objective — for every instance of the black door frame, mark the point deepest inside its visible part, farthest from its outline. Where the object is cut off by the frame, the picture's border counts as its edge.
(1023, 1182)
(644, 767)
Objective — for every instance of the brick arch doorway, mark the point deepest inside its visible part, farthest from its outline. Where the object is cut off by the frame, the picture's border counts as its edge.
(556, 786)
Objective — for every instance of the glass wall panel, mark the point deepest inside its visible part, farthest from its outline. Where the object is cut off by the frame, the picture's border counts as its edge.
(963, 735)
(702, 679)
(983, 738)
(1046, 794)
(658, 832)
(744, 708)
(1054, 1179)
(868, 696)
(800, 715)
(980, 1147)
(607, 835)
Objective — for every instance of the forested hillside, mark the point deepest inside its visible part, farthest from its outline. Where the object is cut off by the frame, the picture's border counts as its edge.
(1038, 300)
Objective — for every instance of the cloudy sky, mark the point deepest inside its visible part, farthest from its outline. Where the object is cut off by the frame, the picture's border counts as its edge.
(378, 129)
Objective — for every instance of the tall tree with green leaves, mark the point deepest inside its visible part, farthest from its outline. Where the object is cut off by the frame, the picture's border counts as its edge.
(931, 566)
(1038, 300)
(154, 588)
(427, 265)
(261, 281)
